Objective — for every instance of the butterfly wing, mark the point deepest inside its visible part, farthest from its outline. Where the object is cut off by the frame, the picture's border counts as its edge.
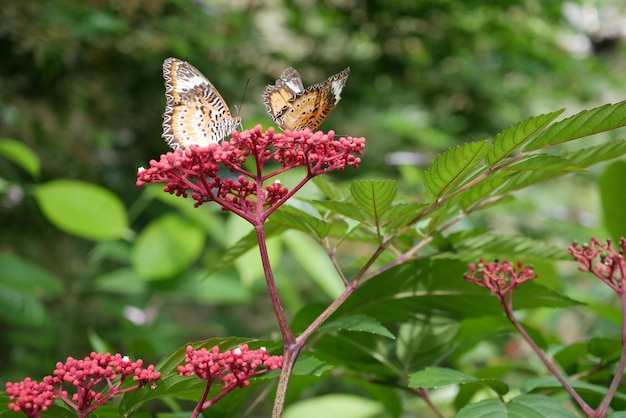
(195, 112)
(295, 108)
(277, 97)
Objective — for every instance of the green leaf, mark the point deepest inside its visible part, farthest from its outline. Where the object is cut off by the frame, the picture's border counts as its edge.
(373, 196)
(436, 377)
(245, 244)
(334, 406)
(453, 166)
(56, 410)
(571, 356)
(505, 247)
(218, 289)
(514, 136)
(302, 221)
(315, 262)
(422, 343)
(402, 214)
(613, 198)
(585, 123)
(436, 288)
(347, 209)
(328, 188)
(310, 366)
(592, 393)
(526, 406)
(360, 323)
(524, 179)
(83, 209)
(588, 156)
(21, 156)
(166, 247)
(605, 348)
(482, 190)
(388, 396)
(22, 288)
(543, 162)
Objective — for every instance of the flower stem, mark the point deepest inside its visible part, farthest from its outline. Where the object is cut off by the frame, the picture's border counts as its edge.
(285, 330)
(507, 304)
(603, 408)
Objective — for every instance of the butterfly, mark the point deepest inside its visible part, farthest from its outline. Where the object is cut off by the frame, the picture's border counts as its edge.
(195, 112)
(293, 107)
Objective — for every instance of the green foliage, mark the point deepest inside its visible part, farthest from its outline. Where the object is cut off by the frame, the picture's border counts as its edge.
(166, 247)
(91, 261)
(21, 156)
(532, 406)
(82, 209)
(24, 286)
(436, 377)
(613, 199)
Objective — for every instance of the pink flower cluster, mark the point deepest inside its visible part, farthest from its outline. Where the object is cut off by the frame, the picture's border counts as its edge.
(604, 261)
(232, 367)
(499, 277)
(30, 396)
(196, 170)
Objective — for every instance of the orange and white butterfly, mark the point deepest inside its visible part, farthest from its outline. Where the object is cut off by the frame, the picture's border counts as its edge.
(195, 113)
(293, 107)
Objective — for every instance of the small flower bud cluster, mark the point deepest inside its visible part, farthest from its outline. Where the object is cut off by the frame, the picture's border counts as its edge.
(30, 396)
(232, 367)
(499, 277)
(196, 170)
(604, 261)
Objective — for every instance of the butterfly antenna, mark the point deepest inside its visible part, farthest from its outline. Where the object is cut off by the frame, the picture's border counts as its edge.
(238, 108)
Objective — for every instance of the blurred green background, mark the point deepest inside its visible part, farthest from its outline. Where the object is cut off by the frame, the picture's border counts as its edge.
(81, 85)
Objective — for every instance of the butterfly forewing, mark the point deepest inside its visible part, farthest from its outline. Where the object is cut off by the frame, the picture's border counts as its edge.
(291, 80)
(295, 108)
(195, 112)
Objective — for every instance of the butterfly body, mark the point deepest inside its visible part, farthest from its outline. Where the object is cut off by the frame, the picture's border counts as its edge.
(195, 112)
(293, 107)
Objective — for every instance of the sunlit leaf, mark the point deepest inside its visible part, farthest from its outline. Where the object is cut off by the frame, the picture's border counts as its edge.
(314, 262)
(437, 377)
(347, 209)
(245, 244)
(374, 197)
(524, 179)
(502, 247)
(514, 136)
(592, 392)
(543, 162)
(588, 156)
(611, 185)
(527, 406)
(166, 247)
(402, 213)
(452, 167)
(481, 190)
(21, 155)
(298, 219)
(360, 323)
(334, 406)
(585, 123)
(328, 188)
(83, 209)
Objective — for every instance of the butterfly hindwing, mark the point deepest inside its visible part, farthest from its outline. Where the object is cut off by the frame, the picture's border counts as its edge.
(195, 112)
